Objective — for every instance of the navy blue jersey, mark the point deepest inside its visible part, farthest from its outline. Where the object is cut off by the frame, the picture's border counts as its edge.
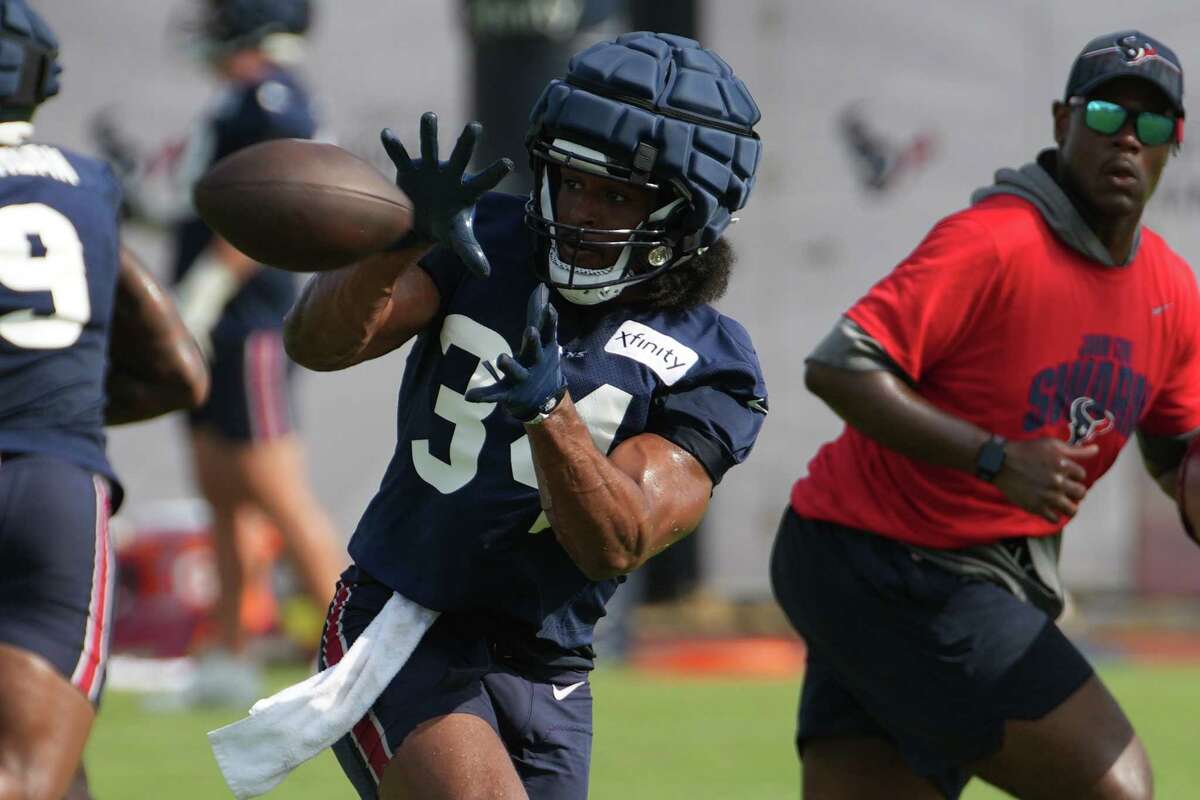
(456, 524)
(58, 273)
(277, 107)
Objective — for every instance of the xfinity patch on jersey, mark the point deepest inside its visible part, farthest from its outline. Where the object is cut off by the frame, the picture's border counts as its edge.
(669, 359)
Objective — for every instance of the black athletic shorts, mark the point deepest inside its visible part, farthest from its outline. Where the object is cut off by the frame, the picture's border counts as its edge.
(901, 649)
(250, 395)
(543, 714)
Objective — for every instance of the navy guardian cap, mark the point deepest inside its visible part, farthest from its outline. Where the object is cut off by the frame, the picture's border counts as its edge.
(650, 109)
(29, 65)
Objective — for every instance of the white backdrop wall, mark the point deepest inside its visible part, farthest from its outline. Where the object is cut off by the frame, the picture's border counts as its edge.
(975, 76)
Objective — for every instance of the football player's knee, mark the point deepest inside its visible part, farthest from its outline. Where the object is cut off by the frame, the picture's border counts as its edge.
(1130, 777)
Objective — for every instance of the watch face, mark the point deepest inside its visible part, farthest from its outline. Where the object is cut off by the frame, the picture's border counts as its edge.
(990, 459)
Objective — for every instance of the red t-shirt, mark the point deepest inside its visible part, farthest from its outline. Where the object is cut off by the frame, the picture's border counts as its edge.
(1001, 324)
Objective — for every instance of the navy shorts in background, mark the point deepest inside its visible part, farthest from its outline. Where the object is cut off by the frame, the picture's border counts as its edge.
(56, 566)
(250, 399)
(544, 720)
(901, 649)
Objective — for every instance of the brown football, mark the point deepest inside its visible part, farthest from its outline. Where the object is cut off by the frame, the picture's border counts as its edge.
(301, 205)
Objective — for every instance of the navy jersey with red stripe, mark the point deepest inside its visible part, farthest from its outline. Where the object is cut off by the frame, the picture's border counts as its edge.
(275, 107)
(456, 523)
(58, 272)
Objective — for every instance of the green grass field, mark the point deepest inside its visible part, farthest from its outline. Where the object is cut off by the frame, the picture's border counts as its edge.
(655, 738)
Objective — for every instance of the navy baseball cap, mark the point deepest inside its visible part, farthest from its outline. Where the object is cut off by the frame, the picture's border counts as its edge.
(1127, 53)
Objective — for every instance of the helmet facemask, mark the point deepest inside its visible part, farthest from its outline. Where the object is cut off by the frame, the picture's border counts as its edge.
(647, 250)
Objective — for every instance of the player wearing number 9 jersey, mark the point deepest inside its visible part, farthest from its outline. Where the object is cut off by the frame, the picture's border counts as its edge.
(86, 338)
(549, 440)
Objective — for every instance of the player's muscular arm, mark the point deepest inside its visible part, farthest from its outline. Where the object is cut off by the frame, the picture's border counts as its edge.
(1042, 476)
(611, 514)
(362, 311)
(1162, 456)
(155, 365)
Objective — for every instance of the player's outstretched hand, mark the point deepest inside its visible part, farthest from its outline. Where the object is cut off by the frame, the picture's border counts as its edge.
(443, 195)
(1044, 476)
(533, 382)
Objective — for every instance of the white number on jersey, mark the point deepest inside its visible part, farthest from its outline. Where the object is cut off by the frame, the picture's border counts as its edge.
(40, 251)
(466, 442)
(602, 410)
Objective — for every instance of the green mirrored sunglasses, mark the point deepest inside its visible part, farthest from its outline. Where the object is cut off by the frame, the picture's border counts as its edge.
(1107, 118)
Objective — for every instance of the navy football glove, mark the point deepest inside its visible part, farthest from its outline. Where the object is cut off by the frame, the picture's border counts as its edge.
(443, 195)
(533, 382)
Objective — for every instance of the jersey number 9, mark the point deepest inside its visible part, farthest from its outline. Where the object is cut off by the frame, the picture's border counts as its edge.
(40, 252)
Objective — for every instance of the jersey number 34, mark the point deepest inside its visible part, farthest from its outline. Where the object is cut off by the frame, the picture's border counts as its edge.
(602, 410)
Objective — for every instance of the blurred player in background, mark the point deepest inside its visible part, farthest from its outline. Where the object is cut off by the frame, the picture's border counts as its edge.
(520, 495)
(248, 459)
(987, 383)
(86, 339)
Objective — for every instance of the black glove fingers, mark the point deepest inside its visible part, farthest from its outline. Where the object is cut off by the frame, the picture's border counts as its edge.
(464, 148)
(513, 371)
(395, 150)
(539, 298)
(492, 174)
(429, 138)
(531, 347)
(486, 394)
(549, 326)
(465, 246)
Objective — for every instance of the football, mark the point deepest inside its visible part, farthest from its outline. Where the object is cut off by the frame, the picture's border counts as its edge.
(301, 205)
(1188, 491)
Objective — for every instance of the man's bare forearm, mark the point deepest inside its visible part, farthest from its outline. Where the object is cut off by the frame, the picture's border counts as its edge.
(881, 406)
(598, 513)
(613, 512)
(358, 312)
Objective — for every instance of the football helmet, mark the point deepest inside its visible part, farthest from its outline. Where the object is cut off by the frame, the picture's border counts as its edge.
(227, 25)
(29, 67)
(652, 110)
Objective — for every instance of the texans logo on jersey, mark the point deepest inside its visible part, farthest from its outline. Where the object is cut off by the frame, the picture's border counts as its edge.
(1086, 423)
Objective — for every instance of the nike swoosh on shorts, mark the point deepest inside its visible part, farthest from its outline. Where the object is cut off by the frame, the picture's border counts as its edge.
(560, 693)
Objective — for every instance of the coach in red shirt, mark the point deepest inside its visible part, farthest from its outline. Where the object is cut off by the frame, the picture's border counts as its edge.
(986, 383)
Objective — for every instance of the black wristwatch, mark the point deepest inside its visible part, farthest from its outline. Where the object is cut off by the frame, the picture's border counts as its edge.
(990, 458)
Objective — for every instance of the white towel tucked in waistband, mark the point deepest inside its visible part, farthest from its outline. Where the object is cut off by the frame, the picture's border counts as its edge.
(290, 727)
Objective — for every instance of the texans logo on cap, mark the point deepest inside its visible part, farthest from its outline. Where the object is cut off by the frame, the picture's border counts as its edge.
(1135, 51)
(1131, 53)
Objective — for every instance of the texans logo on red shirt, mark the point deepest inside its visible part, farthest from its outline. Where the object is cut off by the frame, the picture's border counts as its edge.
(1086, 422)
(1097, 392)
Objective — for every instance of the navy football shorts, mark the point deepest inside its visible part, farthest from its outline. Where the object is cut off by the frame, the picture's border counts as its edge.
(56, 566)
(250, 399)
(903, 650)
(544, 722)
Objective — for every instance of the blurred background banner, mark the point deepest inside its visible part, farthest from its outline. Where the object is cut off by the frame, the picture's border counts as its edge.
(878, 119)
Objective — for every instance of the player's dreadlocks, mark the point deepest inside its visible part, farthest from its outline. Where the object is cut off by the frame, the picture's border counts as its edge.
(702, 279)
